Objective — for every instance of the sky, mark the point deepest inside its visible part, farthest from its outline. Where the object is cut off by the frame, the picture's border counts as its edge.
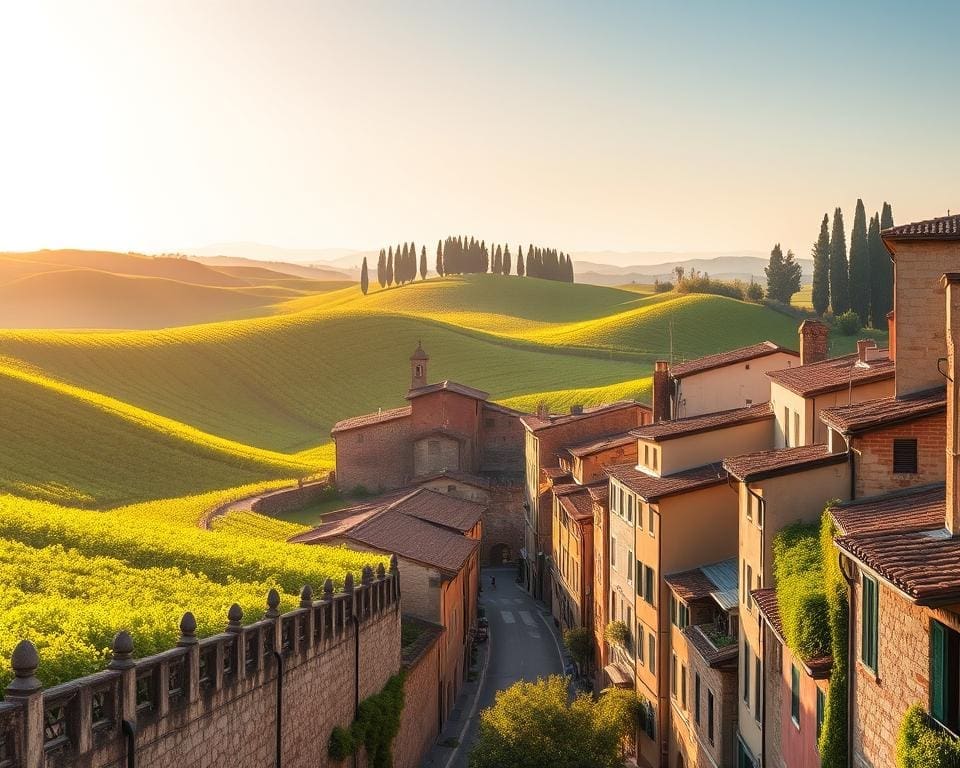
(693, 126)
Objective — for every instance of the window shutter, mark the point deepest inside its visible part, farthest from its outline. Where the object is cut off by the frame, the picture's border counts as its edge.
(905, 455)
(938, 664)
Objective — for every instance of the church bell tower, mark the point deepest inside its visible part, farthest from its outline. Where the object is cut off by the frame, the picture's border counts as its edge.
(418, 367)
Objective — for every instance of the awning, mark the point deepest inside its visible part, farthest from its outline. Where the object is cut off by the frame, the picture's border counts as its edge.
(619, 676)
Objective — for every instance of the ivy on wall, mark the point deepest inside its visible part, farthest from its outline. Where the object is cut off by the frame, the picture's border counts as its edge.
(375, 727)
(833, 735)
(921, 743)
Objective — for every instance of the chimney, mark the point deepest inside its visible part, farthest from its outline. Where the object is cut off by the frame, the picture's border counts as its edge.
(892, 334)
(814, 341)
(951, 281)
(576, 410)
(661, 391)
(542, 411)
(862, 345)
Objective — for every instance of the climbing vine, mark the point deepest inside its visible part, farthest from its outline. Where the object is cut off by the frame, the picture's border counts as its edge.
(375, 727)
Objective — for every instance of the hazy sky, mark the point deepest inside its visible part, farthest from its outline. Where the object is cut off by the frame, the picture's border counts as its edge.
(627, 126)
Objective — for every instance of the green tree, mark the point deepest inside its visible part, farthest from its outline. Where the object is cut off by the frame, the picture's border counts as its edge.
(821, 268)
(886, 216)
(783, 275)
(364, 277)
(520, 268)
(506, 266)
(839, 276)
(382, 268)
(423, 262)
(754, 292)
(390, 266)
(535, 725)
(579, 641)
(859, 264)
(439, 265)
(881, 275)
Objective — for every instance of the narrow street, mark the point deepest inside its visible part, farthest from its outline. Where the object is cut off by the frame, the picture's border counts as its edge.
(522, 646)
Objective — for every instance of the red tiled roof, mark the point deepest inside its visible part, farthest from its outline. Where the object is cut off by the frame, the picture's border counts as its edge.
(914, 509)
(884, 411)
(502, 409)
(602, 444)
(371, 418)
(448, 386)
(600, 493)
(690, 585)
(399, 524)
(720, 359)
(454, 474)
(766, 599)
(555, 473)
(534, 423)
(833, 374)
(652, 488)
(691, 425)
(756, 466)
(578, 504)
(942, 228)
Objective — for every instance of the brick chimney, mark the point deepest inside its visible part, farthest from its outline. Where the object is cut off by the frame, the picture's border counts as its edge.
(814, 341)
(542, 411)
(661, 390)
(862, 345)
(951, 282)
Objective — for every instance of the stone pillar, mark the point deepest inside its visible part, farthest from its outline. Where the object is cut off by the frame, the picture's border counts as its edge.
(814, 341)
(188, 640)
(235, 627)
(661, 391)
(26, 690)
(306, 602)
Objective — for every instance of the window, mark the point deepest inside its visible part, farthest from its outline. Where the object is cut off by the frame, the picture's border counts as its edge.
(760, 507)
(696, 697)
(613, 552)
(639, 578)
(629, 570)
(679, 613)
(757, 683)
(868, 623)
(710, 715)
(629, 507)
(649, 579)
(651, 527)
(749, 581)
(786, 427)
(652, 652)
(613, 497)
(613, 606)
(620, 501)
(905, 456)
(629, 623)
(646, 455)
(795, 695)
(749, 506)
(673, 675)
(656, 458)
(945, 675)
(683, 686)
(821, 709)
(746, 674)
(640, 642)
(796, 427)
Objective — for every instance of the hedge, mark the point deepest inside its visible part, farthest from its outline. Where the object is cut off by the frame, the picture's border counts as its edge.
(921, 743)
(798, 570)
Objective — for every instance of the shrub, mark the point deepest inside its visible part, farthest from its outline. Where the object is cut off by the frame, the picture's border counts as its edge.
(579, 641)
(376, 726)
(848, 323)
(617, 633)
(755, 292)
(341, 744)
(921, 743)
(662, 286)
(704, 284)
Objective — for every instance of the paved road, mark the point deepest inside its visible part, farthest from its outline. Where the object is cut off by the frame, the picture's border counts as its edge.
(522, 646)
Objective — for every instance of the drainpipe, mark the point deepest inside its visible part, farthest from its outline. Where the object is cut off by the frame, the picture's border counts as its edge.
(279, 747)
(851, 623)
(130, 732)
(853, 467)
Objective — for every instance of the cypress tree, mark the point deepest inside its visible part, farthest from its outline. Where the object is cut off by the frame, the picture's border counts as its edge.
(886, 217)
(506, 260)
(364, 277)
(382, 268)
(860, 265)
(821, 268)
(423, 262)
(390, 268)
(498, 260)
(839, 286)
(881, 275)
(439, 264)
(519, 261)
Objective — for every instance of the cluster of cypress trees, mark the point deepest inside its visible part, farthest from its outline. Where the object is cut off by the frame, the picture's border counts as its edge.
(864, 282)
(400, 266)
(462, 255)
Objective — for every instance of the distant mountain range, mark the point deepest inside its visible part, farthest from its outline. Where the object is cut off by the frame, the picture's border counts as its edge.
(348, 258)
(590, 268)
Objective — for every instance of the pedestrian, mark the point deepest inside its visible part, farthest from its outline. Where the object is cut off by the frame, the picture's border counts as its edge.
(493, 582)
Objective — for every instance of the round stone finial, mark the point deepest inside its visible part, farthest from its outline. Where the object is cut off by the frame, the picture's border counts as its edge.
(235, 615)
(122, 651)
(306, 596)
(328, 589)
(381, 571)
(188, 629)
(24, 661)
(348, 583)
(393, 563)
(273, 603)
(366, 575)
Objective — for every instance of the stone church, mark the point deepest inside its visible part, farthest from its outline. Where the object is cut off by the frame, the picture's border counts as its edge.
(449, 437)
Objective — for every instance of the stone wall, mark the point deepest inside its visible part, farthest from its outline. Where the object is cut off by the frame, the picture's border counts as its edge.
(874, 456)
(377, 457)
(215, 701)
(420, 721)
(290, 499)
(503, 524)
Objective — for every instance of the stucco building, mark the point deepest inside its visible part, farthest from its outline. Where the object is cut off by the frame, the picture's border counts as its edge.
(448, 431)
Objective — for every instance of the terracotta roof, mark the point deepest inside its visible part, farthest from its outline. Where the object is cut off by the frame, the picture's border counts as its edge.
(534, 423)
(555, 473)
(691, 425)
(371, 418)
(600, 493)
(602, 444)
(713, 656)
(578, 504)
(690, 585)
(499, 408)
(454, 474)
(756, 466)
(914, 509)
(652, 488)
(943, 228)
(720, 359)
(448, 386)
(400, 526)
(766, 599)
(833, 374)
(884, 411)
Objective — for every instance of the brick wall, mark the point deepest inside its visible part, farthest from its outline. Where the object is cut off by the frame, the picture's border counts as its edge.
(214, 701)
(377, 457)
(503, 524)
(419, 722)
(874, 457)
(501, 442)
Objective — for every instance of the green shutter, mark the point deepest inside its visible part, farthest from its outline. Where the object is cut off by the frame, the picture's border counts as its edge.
(938, 666)
(868, 624)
